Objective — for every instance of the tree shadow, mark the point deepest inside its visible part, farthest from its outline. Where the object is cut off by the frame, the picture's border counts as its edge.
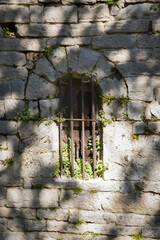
(138, 167)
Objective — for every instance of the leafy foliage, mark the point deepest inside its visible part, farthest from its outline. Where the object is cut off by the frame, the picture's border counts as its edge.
(78, 163)
(121, 100)
(113, 2)
(6, 30)
(79, 222)
(155, 6)
(137, 236)
(7, 162)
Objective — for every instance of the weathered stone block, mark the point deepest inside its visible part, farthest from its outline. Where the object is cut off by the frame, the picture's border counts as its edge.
(128, 55)
(148, 41)
(125, 26)
(78, 1)
(18, 88)
(68, 41)
(140, 88)
(136, 109)
(66, 14)
(113, 86)
(82, 200)
(123, 203)
(20, 1)
(152, 153)
(151, 232)
(36, 14)
(3, 142)
(86, 29)
(48, 107)
(45, 69)
(38, 88)
(138, 11)
(141, 68)
(139, 127)
(2, 110)
(12, 59)
(13, 13)
(48, 1)
(17, 212)
(155, 109)
(114, 109)
(103, 68)
(99, 12)
(154, 126)
(114, 41)
(13, 235)
(33, 108)
(117, 145)
(42, 30)
(10, 73)
(32, 198)
(57, 214)
(12, 108)
(156, 25)
(8, 127)
(1, 34)
(13, 143)
(157, 93)
(5, 90)
(59, 59)
(8, 44)
(124, 219)
(87, 60)
(87, 216)
(73, 56)
(17, 225)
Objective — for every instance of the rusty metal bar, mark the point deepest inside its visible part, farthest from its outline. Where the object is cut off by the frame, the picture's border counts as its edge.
(71, 124)
(83, 129)
(78, 119)
(93, 128)
(60, 129)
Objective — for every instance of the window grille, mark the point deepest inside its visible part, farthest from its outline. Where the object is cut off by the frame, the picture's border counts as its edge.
(79, 99)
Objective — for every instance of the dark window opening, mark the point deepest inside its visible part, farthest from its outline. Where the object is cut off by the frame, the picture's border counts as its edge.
(79, 106)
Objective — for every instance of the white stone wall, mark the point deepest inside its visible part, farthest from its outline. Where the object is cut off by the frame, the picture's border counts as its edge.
(120, 47)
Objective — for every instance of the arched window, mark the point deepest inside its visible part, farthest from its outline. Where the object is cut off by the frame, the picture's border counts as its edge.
(79, 106)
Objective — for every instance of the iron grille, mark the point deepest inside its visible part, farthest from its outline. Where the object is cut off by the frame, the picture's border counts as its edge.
(78, 117)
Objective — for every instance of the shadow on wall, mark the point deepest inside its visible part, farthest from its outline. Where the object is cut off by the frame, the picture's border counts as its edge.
(134, 64)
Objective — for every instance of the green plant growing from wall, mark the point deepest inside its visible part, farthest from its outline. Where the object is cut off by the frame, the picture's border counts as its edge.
(78, 163)
(134, 136)
(79, 222)
(7, 162)
(155, 6)
(113, 2)
(107, 99)
(123, 100)
(137, 236)
(143, 116)
(48, 51)
(101, 117)
(5, 31)
(1, 148)
(77, 189)
(148, 131)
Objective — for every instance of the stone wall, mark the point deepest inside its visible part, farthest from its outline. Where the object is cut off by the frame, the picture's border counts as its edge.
(41, 41)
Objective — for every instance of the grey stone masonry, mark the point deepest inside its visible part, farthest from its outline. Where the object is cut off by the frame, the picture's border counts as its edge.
(13, 13)
(67, 14)
(116, 46)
